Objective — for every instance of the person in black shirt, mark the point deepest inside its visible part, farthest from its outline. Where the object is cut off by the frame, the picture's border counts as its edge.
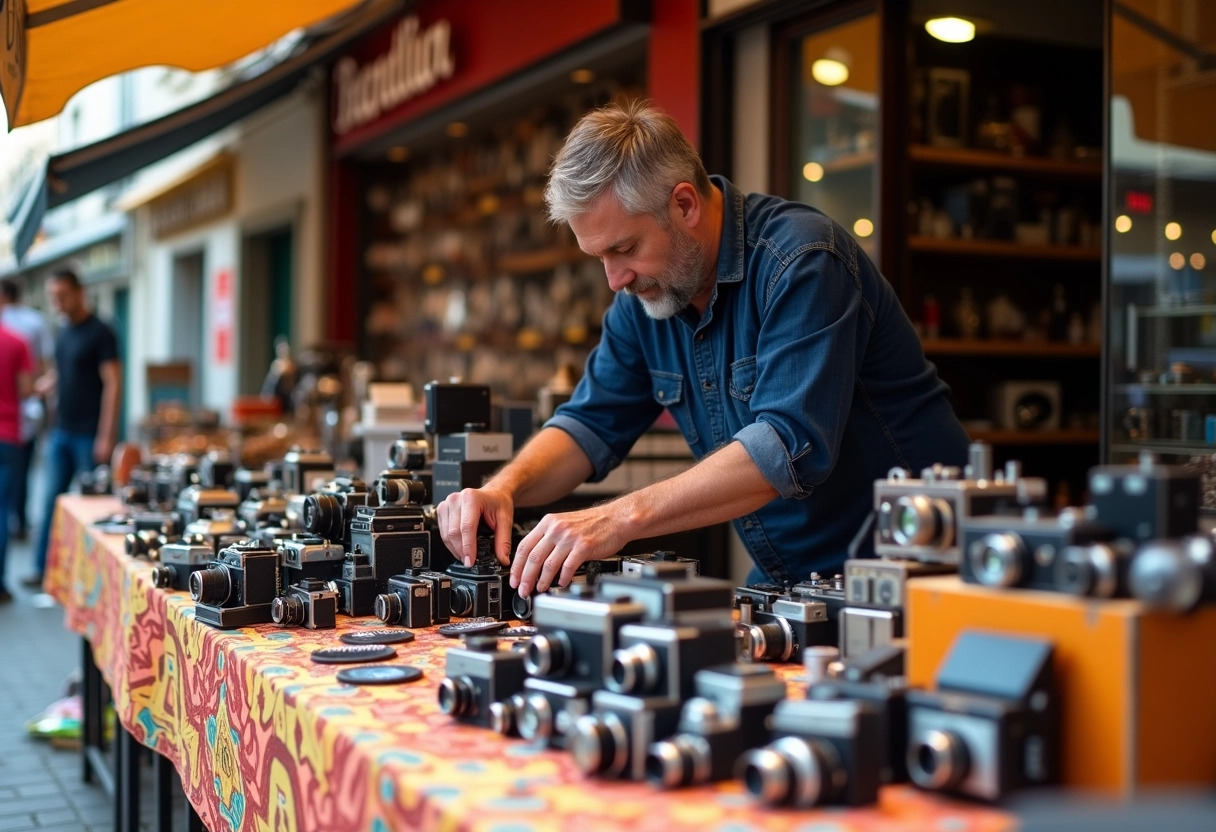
(88, 380)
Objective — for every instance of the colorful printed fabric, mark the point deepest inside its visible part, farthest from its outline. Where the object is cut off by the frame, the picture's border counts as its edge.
(264, 739)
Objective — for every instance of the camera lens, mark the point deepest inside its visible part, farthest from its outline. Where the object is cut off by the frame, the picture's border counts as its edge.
(791, 771)
(1089, 571)
(388, 607)
(409, 453)
(997, 559)
(600, 745)
(635, 669)
(683, 760)
(211, 586)
(464, 600)
(772, 641)
(504, 714)
(535, 718)
(287, 610)
(458, 697)
(547, 655)
(923, 521)
(162, 576)
(521, 607)
(937, 760)
(323, 515)
(1170, 575)
(392, 492)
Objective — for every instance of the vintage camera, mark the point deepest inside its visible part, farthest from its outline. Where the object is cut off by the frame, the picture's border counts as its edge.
(1174, 575)
(309, 602)
(634, 564)
(356, 586)
(310, 556)
(479, 677)
(991, 726)
(450, 405)
(237, 588)
(483, 589)
(407, 602)
(613, 740)
(94, 481)
(262, 508)
(305, 471)
(144, 544)
(823, 753)
(329, 510)
(399, 491)
(449, 477)
(667, 593)
(550, 708)
(760, 597)
(1146, 501)
(576, 637)
(197, 503)
(178, 560)
(661, 659)
(1025, 551)
(409, 452)
(394, 538)
(216, 470)
(919, 518)
(782, 634)
(474, 444)
(888, 696)
(219, 530)
(727, 717)
(247, 480)
(876, 590)
(273, 536)
(1098, 570)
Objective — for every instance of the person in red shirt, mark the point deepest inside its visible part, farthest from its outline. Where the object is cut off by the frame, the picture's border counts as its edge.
(16, 383)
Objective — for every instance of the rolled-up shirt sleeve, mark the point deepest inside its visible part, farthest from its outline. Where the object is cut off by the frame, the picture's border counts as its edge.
(612, 405)
(811, 346)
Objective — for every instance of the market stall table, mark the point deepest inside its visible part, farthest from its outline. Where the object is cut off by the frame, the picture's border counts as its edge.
(263, 738)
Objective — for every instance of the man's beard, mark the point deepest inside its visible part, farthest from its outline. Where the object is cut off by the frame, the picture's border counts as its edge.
(678, 283)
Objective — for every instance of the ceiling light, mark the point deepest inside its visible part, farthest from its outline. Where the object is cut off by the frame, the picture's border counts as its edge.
(863, 227)
(1173, 231)
(582, 76)
(812, 171)
(1177, 261)
(951, 29)
(832, 69)
(1198, 261)
(1123, 223)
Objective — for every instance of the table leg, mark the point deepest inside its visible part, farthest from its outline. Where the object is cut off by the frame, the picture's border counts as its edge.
(128, 782)
(193, 822)
(93, 698)
(164, 776)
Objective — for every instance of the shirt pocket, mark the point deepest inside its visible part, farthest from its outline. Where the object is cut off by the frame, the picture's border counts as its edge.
(743, 378)
(668, 391)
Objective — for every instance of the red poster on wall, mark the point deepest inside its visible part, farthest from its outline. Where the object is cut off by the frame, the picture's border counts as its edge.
(222, 315)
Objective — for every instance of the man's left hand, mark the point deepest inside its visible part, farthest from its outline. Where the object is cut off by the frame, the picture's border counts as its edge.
(560, 543)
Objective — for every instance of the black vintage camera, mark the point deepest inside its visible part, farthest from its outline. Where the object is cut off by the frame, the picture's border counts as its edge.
(247, 480)
(658, 659)
(237, 588)
(577, 635)
(196, 503)
(310, 556)
(919, 518)
(145, 544)
(635, 564)
(824, 753)
(613, 740)
(409, 452)
(550, 708)
(394, 537)
(399, 491)
(305, 471)
(329, 511)
(483, 589)
(450, 405)
(177, 562)
(1098, 570)
(1146, 501)
(1175, 575)
(888, 696)
(1025, 551)
(727, 717)
(760, 597)
(94, 481)
(309, 602)
(262, 508)
(216, 470)
(667, 593)
(357, 586)
(991, 726)
(406, 602)
(479, 677)
(218, 531)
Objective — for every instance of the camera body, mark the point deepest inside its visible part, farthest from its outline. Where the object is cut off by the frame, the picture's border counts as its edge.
(1146, 501)
(991, 726)
(667, 593)
(357, 586)
(727, 717)
(888, 695)
(760, 597)
(920, 518)
(635, 564)
(409, 452)
(195, 502)
(823, 753)
(237, 588)
(478, 677)
(394, 538)
(1174, 575)
(247, 480)
(550, 709)
(328, 512)
(216, 469)
(483, 589)
(576, 636)
(310, 556)
(310, 602)
(658, 659)
(876, 591)
(1025, 551)
(407, 601)
(781, 634)
(303, 471)
(613, 740)
(219, 531)
(178, 560)
(451, 405)
(261, 509)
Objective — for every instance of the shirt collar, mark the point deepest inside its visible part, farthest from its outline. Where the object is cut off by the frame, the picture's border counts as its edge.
(730, 249)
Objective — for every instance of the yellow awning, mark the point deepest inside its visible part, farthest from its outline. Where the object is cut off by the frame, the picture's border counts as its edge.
(51, 49)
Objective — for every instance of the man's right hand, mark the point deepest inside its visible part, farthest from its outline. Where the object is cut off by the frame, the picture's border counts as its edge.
(460, 514)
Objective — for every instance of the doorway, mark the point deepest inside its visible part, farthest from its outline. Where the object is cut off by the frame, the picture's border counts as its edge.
(266, 302)
(186, 338)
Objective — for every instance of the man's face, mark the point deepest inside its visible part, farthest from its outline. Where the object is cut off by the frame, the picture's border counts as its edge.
(664, 267)
(63, 297)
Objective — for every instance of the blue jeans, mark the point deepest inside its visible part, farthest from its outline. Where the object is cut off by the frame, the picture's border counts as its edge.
(66, 454)
(19, 488)
(10, 454)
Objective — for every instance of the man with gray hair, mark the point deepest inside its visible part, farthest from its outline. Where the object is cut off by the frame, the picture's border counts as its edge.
(780, 350)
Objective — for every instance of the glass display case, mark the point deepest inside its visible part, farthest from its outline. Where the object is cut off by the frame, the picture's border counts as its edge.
(1161, 272)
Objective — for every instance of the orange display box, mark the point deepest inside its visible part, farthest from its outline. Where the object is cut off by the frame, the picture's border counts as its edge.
(1138, 687)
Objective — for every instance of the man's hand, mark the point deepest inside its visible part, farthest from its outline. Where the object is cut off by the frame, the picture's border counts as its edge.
(560, 543)
(103, 447)
(460, 514)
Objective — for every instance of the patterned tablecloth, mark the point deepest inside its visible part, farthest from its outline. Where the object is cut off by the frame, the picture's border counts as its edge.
(265, 739)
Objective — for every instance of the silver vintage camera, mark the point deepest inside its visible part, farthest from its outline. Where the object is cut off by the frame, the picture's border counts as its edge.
(658, 659)
(236, 589)
(612, 742)
(407, 602)
(310, 603)
(310, 556)
(178, 560)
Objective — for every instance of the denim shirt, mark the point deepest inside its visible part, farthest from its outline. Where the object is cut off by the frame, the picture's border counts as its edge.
(803, 355)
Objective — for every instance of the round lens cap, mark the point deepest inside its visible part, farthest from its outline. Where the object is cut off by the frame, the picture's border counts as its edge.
(352, 653)
(392, 635)
(379, 674)
(473, 625)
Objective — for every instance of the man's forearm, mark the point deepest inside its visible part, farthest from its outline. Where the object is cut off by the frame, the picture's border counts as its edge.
(725, 485)
(108, 422)
(547, 468)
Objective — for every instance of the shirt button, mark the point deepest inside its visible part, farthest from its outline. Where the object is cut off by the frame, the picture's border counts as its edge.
(700, 336)
(707, 385)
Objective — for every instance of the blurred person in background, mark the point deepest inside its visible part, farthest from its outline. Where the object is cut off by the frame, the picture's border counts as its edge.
(32, 327)
(16, 383)
(87, 381)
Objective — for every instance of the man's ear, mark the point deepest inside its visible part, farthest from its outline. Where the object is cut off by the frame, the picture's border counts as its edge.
(685, 205)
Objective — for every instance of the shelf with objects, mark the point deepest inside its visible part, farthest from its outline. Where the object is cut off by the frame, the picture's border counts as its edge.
(1161, 323)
